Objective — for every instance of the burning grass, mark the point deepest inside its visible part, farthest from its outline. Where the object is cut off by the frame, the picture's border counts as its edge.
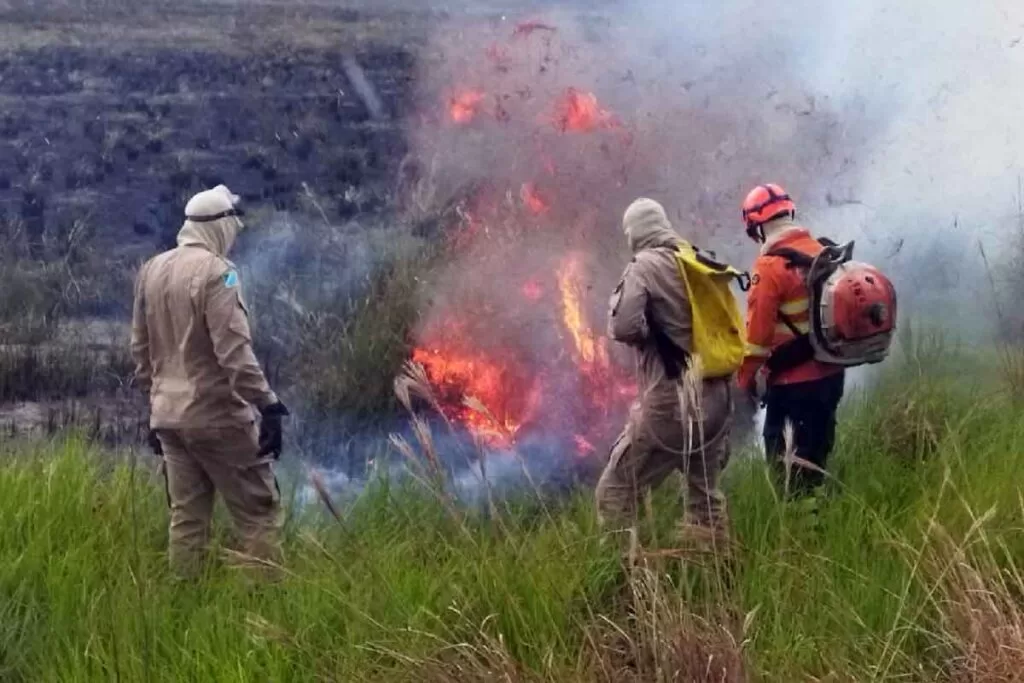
(514, 318)
(910, 573)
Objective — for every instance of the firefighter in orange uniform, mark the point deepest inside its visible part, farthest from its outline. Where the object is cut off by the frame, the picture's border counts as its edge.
(779, 368)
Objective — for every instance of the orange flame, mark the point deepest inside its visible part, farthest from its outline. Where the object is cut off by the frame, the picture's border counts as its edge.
(534, 202)
(583, 446)
(526, 28)
(579, 111)
(533, 290)
(456, 377)
(465, 105)
(590, 348)
(509, 389)
(506, 366)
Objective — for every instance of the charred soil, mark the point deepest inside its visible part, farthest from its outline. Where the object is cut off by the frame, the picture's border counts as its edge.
(109, 121)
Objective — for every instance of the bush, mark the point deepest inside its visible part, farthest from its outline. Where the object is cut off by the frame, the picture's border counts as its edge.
(47, 283)
(333, 310)
(61, 371)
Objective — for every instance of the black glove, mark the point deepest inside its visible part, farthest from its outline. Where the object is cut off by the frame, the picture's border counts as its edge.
(154, 442)
(271, 429)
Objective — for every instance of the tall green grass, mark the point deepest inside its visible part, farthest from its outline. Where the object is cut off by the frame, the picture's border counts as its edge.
(912, 572)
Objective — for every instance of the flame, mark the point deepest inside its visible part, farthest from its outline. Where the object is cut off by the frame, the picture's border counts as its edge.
(496, 394)
(579, 111)
(534, 202)
(456, 377)
(471, 221)
(583, 446)
(465, 105)
(508, 366)
(532, 290)
(590, 348)
(527, 28)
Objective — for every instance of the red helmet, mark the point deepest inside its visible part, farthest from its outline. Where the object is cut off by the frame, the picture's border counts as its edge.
(764, 203)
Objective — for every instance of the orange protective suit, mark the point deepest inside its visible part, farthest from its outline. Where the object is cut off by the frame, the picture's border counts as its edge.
(777, 290)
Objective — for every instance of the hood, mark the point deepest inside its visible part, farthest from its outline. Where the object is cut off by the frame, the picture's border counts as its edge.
(217, 235)
(779, 230)
(647, 226)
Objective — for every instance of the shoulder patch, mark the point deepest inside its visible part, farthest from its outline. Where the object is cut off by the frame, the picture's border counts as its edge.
(231, 278)
(755, 279)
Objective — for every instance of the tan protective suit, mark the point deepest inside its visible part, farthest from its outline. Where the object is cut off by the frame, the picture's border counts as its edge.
(193, 349)
(655, 441)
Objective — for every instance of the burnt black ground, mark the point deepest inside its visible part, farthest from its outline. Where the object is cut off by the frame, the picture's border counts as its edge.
(117, 117)
(113, 113)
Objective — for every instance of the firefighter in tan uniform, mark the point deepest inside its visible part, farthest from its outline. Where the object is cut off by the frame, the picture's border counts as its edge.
(193, 349)
(650, 312)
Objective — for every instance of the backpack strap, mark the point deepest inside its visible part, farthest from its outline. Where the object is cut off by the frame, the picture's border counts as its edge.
(794, 258)
(710, 259)
(798, 259)
(788, 322)
(675, 360)
(798, 350)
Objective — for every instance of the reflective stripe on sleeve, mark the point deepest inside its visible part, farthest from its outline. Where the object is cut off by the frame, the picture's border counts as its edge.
(758, 351)
(795, 307)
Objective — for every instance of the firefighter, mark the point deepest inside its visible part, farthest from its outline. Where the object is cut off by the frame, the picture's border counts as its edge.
(195, 362)
(650, 312)
(779, 369)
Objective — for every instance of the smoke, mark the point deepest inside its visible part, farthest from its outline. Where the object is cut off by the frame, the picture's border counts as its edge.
(892, 126)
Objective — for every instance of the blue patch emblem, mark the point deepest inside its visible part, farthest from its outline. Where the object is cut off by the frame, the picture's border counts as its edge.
(231, 278)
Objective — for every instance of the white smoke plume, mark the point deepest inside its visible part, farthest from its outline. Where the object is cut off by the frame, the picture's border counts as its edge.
(892, 123)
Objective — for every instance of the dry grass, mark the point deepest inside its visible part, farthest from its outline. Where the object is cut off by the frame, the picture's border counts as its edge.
(51, 282)
(485, 660)
(661, 638)
(978, 594)
(341, 341)
(653, 636)
(655, 639)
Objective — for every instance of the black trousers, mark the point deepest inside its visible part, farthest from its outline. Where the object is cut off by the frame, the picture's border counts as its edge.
(811, 408)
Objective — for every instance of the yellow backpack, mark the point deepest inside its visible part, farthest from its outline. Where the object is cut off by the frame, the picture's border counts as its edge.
(718, 336)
